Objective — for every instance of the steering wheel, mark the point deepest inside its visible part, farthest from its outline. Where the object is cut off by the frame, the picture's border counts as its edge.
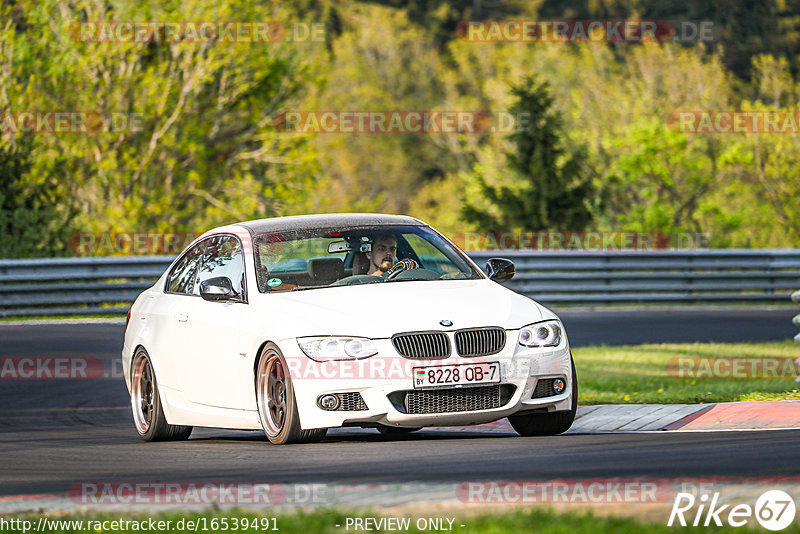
(399, 267)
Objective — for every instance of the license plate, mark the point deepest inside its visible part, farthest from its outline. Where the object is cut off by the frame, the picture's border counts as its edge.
(454, 375)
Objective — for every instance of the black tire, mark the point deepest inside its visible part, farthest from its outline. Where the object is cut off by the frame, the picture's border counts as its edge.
(396, 431)
(548, 424)
(148, 413)
(275, 401)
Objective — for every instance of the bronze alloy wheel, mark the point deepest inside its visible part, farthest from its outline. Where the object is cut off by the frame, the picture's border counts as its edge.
(142, 393)
(148, 413)
(277, 408)
(272, 393)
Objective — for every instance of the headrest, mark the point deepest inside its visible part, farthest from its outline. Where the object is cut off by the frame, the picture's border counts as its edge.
(360, 263)
(326, 268)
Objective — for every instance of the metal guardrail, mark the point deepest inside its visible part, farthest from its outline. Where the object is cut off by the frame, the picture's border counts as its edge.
(76, 286)
(89, 286)
(655, 277)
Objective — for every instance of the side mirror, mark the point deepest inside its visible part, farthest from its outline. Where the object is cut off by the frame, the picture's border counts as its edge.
(218, 289)
(500, 270)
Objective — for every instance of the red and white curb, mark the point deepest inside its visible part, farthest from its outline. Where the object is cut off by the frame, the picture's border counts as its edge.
(620, 418)
(440, 495)
(611, 418)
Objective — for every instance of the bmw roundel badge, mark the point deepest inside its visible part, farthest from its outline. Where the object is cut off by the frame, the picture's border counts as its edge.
(445, 322)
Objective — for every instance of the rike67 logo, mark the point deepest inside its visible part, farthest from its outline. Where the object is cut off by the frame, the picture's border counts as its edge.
(773, 510)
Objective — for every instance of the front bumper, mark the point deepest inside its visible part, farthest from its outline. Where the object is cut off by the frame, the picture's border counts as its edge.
(382, 380)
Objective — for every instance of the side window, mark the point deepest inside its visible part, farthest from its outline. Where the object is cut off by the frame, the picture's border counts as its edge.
(181, 277)
(223, 257)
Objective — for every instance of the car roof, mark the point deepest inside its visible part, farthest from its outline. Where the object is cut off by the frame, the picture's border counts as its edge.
(329, 220)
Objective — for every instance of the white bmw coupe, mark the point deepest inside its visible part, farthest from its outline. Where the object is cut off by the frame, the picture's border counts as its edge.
(294, 325)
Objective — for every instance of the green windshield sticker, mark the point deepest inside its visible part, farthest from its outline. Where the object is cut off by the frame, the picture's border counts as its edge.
(273, 282)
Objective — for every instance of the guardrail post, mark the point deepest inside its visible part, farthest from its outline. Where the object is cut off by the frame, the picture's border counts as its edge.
(796, 320)
(770, 271)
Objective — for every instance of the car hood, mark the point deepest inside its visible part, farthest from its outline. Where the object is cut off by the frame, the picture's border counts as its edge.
(381, 310)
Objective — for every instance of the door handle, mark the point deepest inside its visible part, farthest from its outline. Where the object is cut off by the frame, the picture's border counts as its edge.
(182, 317)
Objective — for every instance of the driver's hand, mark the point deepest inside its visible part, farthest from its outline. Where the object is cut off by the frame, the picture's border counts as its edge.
(402, 265)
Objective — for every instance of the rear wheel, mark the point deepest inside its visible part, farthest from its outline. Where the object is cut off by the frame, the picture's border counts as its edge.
(548, 424)
(277, 408)
(148, 413)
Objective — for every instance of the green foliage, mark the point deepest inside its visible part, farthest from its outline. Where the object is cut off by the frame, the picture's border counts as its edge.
(382, 62)
(648, 374)
(741, 28)
(664, 177)
(547, 187)
(32, 223)
(197, 146)
(194, 145)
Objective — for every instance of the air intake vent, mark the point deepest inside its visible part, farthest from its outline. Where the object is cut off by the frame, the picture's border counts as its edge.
(480, 341)
(544, 388)
(452, 399)
(426, 345)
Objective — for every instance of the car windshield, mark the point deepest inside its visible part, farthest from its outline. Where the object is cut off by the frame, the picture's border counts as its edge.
(328, 257)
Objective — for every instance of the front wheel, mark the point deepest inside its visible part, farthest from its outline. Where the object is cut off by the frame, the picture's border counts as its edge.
(548, 424)
(277, 408)
(148, 413)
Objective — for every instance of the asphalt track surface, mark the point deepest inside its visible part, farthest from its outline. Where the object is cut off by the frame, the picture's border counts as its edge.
(55, 433)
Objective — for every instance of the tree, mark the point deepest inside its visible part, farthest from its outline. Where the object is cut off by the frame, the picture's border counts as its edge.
(185, 137)
(32, 221)
(673, 182)
(546, 187)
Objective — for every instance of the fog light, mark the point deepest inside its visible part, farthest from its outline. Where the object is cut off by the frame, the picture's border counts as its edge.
(558, 386)
(329, 402)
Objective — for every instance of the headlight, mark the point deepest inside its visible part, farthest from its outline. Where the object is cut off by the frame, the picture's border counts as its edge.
(323, 349)
(546, 334)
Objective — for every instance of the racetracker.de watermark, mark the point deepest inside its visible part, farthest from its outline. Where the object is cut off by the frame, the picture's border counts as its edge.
(742, 367)
(734, 121)
(587, 241)
(255, 32)
(33, 121)
(197, 493)
(419, 121)
(129, 243)
(595, 30)
(58, 368)
(566, 491)
(394, 368)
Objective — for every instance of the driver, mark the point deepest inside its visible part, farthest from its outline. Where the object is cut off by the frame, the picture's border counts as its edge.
(382, 256)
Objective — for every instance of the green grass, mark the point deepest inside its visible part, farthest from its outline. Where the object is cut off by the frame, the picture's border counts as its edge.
(516, 521)
(61, 317)
(638, 374)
